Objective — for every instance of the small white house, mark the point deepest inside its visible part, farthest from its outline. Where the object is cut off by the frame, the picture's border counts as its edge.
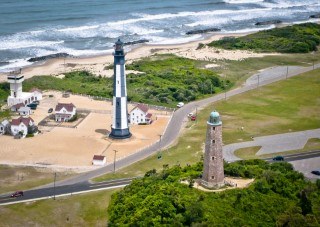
(99, 160)
(21, 125)
(140, 115)
(24, 111)
(4, 125)
(65, 111)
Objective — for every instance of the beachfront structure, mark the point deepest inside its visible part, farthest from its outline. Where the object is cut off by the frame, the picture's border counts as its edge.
(119, 127)
(4, 127)
(24, 111)
(213, 171)
(65, 111)
(16, 94)
(99, 160)
(21, 126)
(139, 115)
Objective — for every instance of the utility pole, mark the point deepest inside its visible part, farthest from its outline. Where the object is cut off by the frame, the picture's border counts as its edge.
(225, 87)
(159, 154)
(114, 161)
(258, 80)
(54, 186)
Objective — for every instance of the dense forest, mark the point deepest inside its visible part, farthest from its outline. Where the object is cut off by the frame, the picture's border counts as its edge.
(164, 80)
(279, 196)
(299, 38)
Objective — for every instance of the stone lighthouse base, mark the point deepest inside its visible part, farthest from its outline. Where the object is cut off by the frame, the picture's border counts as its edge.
(120, 134)
(212, 185)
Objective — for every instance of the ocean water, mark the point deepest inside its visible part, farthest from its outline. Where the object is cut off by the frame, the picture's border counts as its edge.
(90, 27)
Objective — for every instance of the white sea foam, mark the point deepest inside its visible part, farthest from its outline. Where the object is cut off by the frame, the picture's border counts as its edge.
(15, 64)
(242, 1)
(20, 44)
(80, 28)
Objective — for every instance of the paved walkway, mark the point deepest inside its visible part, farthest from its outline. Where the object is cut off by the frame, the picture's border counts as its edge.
(273, 144)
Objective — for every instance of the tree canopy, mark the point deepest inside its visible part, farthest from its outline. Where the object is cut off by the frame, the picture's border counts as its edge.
(279, 196)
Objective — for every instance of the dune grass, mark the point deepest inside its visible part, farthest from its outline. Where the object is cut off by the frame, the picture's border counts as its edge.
(281, 107)
(77, 210)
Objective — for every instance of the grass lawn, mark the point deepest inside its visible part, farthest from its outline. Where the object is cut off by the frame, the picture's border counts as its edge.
(250, 152)
(289, 105)
(78, 210)
(13, 178)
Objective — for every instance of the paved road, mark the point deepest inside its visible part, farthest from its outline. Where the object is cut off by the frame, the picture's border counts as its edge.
(84, 187)
(175, 124)
(66, 190)
(273, 143)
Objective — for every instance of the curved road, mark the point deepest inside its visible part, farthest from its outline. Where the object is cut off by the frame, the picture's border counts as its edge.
(84, 187)
(265, 77)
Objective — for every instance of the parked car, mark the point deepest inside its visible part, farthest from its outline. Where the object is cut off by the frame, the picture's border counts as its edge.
(50, 110)
(36, 102)
(278, 158)
(32, 106)
(316, 172)
(180, 104)
(193, 118)
(17, 194)
(190, 114)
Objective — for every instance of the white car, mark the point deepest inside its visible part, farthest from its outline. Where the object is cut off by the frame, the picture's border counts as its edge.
(180, 104)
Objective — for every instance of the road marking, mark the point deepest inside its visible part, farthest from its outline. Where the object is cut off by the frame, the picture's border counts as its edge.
(108, 183)
(3, 199)
(67, 194)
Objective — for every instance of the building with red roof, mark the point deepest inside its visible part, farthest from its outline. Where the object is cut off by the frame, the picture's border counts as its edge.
(21, 125)
(65, 111)
(140, 115)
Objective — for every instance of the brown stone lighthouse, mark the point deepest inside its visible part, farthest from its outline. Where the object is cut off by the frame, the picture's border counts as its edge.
(213, 172)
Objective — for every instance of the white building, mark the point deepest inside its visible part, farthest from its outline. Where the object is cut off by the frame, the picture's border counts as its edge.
(21, 125)
(37, 94)
(99, 160)
(24, 111)
(140, 115)
(16, 95)
(4, 127)
(15, 107)
(65, 111)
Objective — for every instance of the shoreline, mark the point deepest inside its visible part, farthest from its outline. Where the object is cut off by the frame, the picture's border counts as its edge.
(96, 64)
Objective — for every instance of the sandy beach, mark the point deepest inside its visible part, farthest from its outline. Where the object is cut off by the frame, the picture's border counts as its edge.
(97, 64)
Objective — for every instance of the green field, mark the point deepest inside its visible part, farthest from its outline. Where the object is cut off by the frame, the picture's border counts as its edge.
(77, 210)
(299, 38)
(13, 178)
(281, 107)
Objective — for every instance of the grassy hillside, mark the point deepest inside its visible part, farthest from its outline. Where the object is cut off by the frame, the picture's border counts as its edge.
(77, 210)
(166, 80)
(279, 196)
(281, 107)
(300, 38)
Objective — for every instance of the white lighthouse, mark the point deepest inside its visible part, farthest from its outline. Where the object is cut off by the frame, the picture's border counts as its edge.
(119, 128)
(17, 96)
